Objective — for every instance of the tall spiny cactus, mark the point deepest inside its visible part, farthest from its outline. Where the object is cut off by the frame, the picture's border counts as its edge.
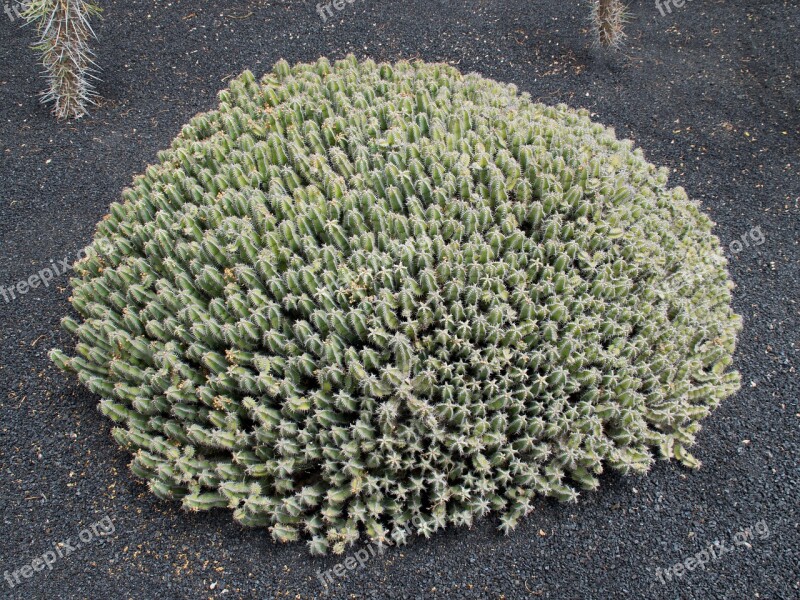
(608, 21)
(381, 298)
(64, 32)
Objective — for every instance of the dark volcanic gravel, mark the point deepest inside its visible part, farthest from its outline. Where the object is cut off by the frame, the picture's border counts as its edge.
(710, 90)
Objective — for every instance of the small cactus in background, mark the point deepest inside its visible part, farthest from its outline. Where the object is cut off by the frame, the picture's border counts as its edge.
(64, 32)
(379, 299)
(608, 21)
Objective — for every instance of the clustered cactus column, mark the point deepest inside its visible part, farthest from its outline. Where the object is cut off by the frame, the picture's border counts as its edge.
(372, 298)
(64, 32)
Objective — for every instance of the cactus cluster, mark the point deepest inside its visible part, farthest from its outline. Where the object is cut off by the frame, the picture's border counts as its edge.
(373, 298)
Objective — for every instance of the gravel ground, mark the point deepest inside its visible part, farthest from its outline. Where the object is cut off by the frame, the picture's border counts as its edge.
(709, 90)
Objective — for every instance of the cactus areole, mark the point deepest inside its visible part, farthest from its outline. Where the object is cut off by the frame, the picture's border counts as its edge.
(377, 299)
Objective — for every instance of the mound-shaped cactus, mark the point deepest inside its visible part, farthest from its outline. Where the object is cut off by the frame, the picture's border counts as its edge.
(385, 298)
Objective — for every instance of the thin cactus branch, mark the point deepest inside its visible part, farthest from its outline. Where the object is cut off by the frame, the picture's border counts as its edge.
(608, 21)
(64, 31)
